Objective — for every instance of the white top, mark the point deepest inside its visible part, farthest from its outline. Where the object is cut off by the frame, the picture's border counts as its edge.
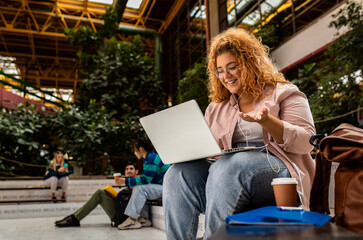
(247, 132)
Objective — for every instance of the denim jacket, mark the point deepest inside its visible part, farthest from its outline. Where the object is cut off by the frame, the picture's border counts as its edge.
(291, 106)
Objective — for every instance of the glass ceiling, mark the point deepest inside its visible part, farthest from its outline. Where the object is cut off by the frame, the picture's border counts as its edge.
(238, 5)
(135, 4)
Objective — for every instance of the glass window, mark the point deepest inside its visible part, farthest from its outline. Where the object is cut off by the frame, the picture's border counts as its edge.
(198, 12)
(135, 4)
(109, 2)
(274, 3)
(252, 18)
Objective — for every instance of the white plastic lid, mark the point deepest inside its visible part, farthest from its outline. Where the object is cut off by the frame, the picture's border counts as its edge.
(276, 181)
(117, 174)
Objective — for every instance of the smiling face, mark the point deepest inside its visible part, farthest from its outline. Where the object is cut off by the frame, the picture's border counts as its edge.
(229, 73)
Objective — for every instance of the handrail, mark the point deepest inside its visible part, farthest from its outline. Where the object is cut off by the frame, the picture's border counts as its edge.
(32, 86)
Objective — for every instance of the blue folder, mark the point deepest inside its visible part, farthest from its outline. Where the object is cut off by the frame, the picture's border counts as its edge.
(273, 215)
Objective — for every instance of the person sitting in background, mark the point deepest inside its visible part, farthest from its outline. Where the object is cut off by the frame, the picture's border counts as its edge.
(57, 175)
(146, 187)
(107, 202)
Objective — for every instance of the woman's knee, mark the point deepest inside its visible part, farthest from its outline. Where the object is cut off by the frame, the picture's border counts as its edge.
(227, 166)
(189, 172)
(173, 178)
(100, 192)
(53, 180)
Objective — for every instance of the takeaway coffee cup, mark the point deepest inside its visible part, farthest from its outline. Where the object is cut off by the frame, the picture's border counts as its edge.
(285, 191)
(116, 175)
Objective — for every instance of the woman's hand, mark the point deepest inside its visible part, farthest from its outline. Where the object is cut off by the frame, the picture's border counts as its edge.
(271, 124)
(259, 116)
(61, 169)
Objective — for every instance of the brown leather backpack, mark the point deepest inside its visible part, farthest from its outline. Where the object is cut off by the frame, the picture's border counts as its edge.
(343, 145)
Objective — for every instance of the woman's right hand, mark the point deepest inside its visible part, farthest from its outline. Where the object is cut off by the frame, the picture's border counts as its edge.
(259, 116)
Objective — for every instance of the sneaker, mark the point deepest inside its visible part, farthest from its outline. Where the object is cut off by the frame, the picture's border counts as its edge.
(145, 222)
(129, 224)
(69, 221)
(54, 199)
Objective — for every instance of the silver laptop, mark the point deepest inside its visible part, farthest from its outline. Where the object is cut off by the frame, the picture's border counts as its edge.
(181, 134)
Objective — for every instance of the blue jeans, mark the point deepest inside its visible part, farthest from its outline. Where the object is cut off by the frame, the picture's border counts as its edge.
(235, 183)
(141, 193)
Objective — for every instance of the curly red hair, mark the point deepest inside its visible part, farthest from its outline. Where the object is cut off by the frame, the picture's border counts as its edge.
(257, 70)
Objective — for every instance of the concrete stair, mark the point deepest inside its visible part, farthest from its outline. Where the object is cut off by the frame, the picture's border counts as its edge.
(78, 190)
(18, 200)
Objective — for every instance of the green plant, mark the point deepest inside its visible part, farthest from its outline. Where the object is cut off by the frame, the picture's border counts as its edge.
(339, 88)
(123, 79)
(118, 75)
(307, 79)
(22, 132)
(194, 85)
(120, 84)
(85, 38)
(269, 35)
(87, 135)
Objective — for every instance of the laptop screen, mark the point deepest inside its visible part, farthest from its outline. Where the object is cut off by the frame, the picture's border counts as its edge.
(180, 133)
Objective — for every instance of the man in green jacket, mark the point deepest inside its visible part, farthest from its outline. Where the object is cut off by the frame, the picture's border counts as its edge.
(107, 202)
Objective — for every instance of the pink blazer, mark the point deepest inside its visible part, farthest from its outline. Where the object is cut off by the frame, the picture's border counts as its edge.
(290, 105)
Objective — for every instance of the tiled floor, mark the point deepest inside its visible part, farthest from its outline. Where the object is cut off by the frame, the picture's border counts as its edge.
(93, 227)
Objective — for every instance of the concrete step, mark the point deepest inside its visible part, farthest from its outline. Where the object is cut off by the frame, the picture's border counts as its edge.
(73, 195)
(73, 183)
(78, 190)
(15, 211)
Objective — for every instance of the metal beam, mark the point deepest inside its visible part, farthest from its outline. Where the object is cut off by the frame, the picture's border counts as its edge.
(171, 14)
(15, 54)
(28, 76)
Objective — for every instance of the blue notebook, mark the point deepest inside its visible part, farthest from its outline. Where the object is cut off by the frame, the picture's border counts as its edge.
(273, 215)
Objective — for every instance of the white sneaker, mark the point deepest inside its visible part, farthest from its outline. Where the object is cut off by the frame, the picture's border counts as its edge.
(129, 224)
(145, 222)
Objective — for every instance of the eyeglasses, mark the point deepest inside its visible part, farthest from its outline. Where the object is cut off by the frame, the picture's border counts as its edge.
(230, 70)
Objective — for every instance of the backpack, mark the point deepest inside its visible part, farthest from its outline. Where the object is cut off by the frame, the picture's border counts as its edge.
(122, 200)
(343, 145)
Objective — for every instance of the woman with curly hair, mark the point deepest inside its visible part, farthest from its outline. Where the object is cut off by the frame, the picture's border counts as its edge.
(252, 105)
